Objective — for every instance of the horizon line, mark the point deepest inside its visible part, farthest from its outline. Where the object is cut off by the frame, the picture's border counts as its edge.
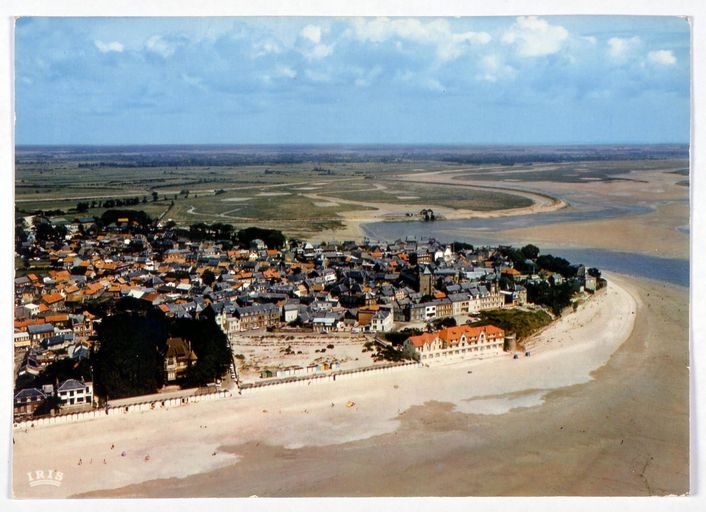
(381, 144)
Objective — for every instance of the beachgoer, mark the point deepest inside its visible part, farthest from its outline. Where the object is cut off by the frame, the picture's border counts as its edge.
(80, 462)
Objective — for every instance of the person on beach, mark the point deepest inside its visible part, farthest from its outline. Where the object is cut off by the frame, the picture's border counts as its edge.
(80, 462)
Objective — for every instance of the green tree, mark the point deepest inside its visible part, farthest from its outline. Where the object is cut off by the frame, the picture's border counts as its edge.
(208, 277)
(530, 251)
(130, 357)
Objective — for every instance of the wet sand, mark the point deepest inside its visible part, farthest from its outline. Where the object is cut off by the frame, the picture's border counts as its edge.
(625, 431)
(655, 234)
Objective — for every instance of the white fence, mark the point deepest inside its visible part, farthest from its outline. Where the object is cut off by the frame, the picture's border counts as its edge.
(151, 405)
(321, 378)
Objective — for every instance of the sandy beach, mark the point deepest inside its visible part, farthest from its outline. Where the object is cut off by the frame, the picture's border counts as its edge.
(601, 408)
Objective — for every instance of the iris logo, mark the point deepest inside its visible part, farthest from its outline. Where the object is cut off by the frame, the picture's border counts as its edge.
(42, 477)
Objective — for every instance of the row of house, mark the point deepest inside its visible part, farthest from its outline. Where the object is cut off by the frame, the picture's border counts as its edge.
(70, 394)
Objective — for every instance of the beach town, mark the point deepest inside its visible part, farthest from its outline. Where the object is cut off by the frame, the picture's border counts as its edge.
(299, 321)
(286, 311)
(341, 257)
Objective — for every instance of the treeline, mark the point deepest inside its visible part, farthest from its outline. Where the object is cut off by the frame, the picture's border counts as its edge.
(92, 157)
(226, 233)
(528, 260)
(133, 216)
(83, 206)
(556, 297)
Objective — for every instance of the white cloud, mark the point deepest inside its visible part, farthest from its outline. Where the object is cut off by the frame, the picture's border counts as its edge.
(535, 37)
(266, 48)
(620, 49)
(314, 49)
(590, 39)
(114, 46)
(439, 33)
(492, 69)
(662, 57)
(312, 33)
(157, 45)
(320, 51)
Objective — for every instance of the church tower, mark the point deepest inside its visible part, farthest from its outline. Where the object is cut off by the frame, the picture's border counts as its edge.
(425, 280)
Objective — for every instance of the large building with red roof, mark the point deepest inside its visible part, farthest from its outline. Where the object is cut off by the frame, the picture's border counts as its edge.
(462, 342)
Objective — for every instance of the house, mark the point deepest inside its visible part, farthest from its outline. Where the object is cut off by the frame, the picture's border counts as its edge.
(53, 301)
(72, 392)
(422, 312)
(178, 358)
(463, 342)
(382, 321)
(290, 312)
(22, 340)
(258, 316)
(327, 322)
(39, 332)
(27, 400)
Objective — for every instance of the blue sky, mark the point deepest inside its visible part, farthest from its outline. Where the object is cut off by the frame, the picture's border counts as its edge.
(502, 80)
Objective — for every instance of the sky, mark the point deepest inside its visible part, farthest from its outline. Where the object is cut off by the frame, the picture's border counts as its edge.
(288, 80)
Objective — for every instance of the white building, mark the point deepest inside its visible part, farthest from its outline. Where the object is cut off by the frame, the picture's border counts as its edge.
(72, 392)
(382, 321)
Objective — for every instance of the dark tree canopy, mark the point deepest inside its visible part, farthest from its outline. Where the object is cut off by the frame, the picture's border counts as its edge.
(440, 323)
(46, 232)
(138, 216)
(398, 337)
(555, 297)
(130, 357)
(530, 251)
(208, 277)
(272, 237)
(556, 264)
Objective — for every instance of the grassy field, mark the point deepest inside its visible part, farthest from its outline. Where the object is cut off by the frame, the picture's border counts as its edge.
(298, 198)
(272, 196)
(430, 194)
